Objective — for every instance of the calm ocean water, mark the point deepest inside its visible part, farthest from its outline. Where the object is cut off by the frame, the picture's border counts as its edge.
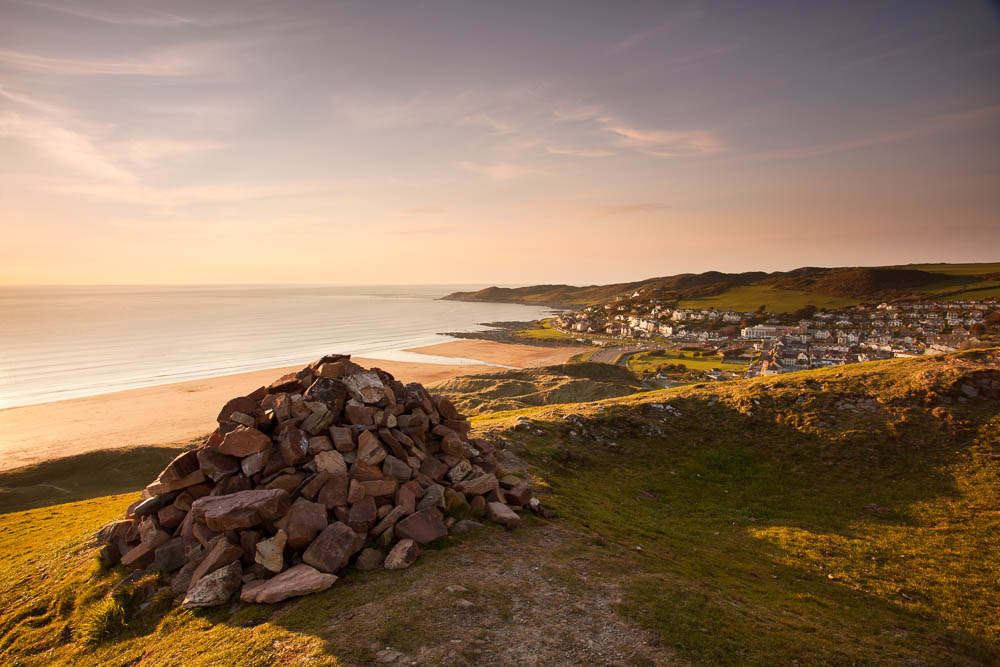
(66, 342)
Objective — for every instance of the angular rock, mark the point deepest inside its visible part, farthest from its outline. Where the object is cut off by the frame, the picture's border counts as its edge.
(370, 559)
(295, 581)
(253, 464)
(221, 553)
(402, 555)
(214, 588)
(244, 441)
(241, 510)
(330, 391)
(460, 471)
(330, 461)
(332, 549)
(363, 515)
(360, 415)
(304, 521)
(320, 443)
(477, 486)
(397, 469)
(433, 497)
(389, 520)
(519, 495)
(370, 450)
(342, 439)
(217, 465)
(502, 514)
(423, 526)
(335, 491)
(169, 556)
(271, 552)
(138, 557)
(433, 468)
(366, 387)
(293, 443)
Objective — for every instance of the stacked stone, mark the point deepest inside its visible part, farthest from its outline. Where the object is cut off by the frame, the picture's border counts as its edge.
(329, 466)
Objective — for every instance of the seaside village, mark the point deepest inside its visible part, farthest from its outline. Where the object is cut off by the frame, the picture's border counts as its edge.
(777, 343)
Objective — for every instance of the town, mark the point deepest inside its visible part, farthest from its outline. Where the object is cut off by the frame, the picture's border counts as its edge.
(773, 343)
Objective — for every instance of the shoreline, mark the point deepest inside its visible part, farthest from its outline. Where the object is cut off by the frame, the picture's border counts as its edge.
(181, 411)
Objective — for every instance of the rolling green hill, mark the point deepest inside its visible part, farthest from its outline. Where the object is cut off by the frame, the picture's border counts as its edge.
(840, 516)
(780, 291)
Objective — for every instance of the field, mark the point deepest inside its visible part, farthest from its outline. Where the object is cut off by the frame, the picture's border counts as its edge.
(646, 362)
(750, 297)
(837, 516)
(545, 332)
(508, 390)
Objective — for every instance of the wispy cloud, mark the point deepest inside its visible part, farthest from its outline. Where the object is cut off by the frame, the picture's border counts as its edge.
(938, 124)
(664, 143)
(486, 120)
(70, 148)
(170, 63)
(125, 15)
(656, 143)
(677, 17)
(151, 151)
(163, 64)
(499, 171)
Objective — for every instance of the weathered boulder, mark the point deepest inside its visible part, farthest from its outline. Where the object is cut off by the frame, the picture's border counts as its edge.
(332, 549)
(214, 588)
(244, 441)
(423, 526)
(502, 514)
(293, 582)
(242, 509)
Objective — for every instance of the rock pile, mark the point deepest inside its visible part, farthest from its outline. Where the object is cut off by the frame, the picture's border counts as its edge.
(329, 466)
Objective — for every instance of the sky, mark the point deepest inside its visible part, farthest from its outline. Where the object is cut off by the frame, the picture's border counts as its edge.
(492, 142)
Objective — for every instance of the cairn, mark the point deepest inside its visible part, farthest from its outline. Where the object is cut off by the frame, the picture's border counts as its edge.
(330, 466)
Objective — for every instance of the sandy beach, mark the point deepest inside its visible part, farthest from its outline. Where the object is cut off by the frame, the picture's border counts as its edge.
(181, 411)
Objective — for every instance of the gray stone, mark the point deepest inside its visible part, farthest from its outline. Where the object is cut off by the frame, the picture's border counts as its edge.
(215, 588)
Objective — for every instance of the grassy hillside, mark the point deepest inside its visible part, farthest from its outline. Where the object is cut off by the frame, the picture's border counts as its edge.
(782, 291)
(547, 385)
(839, 516)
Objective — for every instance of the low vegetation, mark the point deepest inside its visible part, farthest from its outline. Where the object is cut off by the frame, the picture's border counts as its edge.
(654, 361)
(547, 385)
(838, 516)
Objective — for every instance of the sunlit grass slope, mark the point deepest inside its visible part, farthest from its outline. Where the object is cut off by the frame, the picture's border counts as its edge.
(841, 516)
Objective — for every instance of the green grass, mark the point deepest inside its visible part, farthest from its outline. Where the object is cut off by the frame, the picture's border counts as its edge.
(957, 269)
(757, 547)
(546, 385)
(750, 297)
(648, 362)
(775, 526)
(544, 332)
(83, 476)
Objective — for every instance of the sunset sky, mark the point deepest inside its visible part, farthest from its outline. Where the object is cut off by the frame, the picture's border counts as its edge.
(501, 142)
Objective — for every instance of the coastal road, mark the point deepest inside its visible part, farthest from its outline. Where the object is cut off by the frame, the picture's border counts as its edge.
(608, 355)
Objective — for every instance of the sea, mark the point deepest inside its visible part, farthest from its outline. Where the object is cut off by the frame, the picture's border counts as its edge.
(72, 341)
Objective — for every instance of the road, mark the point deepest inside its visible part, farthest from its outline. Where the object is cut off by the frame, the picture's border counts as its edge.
(608, 355)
